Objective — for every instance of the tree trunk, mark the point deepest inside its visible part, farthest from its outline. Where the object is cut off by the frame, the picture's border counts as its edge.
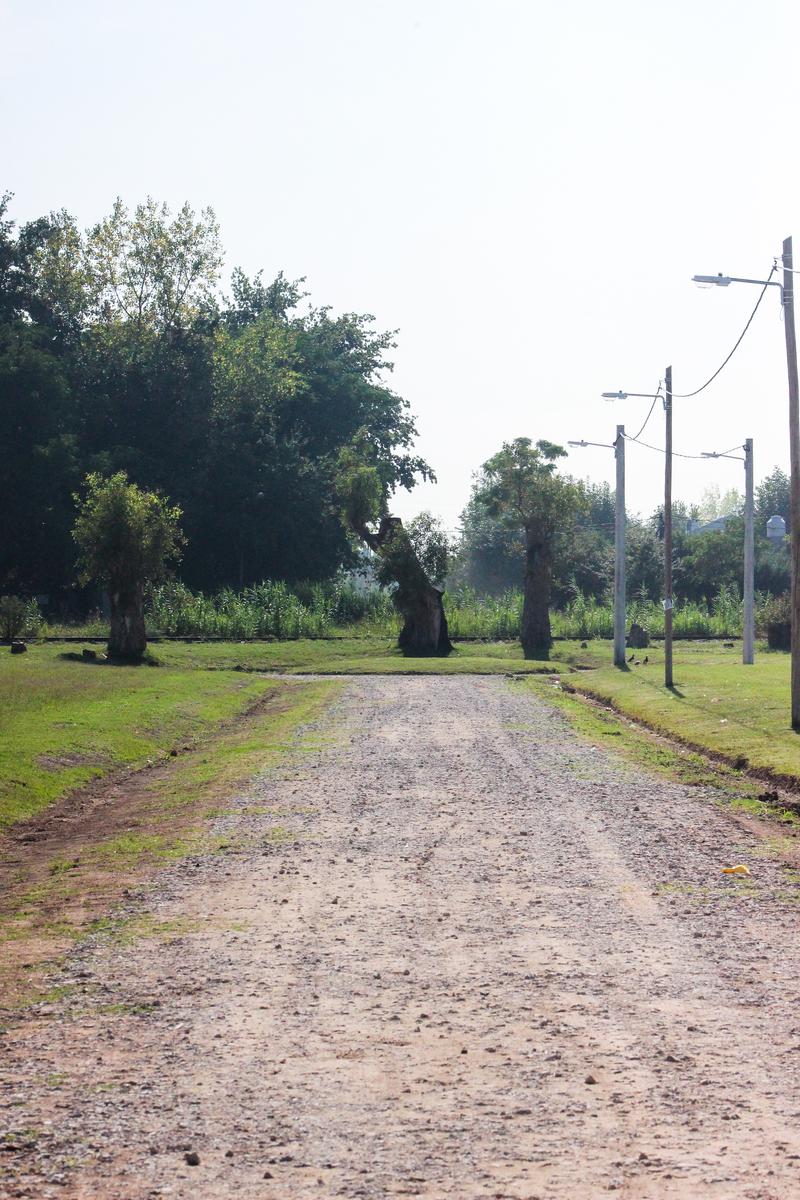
(424, 623)
(536, 637)
(127, 638)
(419, 603)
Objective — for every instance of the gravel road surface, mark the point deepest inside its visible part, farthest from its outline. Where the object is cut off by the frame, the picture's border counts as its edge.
(460, 953)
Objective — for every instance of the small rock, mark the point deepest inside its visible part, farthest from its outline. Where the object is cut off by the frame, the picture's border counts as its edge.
(590, 1079)
(267, 1175)
(192, 1158)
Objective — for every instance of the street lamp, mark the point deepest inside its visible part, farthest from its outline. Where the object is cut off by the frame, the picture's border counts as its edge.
(625, 395)
(749, 584)
(668, 679)
(619, 542)
(787, 300)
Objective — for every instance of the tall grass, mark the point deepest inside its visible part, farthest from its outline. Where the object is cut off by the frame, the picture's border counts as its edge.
(588, 619)
(268, 610)
(472, 616)
(338, 607)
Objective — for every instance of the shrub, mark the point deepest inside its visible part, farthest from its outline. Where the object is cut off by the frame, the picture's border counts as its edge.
(18, 617)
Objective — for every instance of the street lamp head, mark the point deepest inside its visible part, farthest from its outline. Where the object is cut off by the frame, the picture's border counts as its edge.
(615, 395)
(720, 280)
(577, 443)
(708, 454)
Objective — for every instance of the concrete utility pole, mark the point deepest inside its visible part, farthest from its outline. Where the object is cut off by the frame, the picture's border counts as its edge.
(668, 530)
(619, 551)
(749, 589)
(794, 451)
(619, 540)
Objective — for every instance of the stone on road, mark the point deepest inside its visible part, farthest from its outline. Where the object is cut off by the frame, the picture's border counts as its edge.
(459, 953)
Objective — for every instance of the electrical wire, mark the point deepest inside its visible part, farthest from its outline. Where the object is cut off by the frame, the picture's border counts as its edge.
(650, 413)
(737, 344)
(661, 450)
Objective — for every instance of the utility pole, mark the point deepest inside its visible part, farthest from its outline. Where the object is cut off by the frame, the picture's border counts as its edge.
(668, 530)
(619, 551)
(749, 631)
(794, 449)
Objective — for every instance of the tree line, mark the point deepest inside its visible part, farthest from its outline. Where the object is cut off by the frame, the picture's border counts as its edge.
(120, 353)
(490, 553)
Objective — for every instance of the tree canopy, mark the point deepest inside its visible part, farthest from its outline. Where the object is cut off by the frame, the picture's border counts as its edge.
(120, 353)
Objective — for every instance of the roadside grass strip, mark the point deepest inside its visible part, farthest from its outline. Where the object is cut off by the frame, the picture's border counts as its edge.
(739, 713)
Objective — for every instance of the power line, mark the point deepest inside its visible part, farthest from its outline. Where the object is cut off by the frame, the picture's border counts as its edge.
(737, 344)
(661, 450)
(650, 413)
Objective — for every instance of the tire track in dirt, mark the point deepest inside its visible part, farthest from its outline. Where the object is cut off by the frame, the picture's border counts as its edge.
(461, 954)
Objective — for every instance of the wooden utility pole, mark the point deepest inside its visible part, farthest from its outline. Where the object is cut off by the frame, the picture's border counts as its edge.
(668, 531)
(619, 551)
(794, 453)
(749, 630)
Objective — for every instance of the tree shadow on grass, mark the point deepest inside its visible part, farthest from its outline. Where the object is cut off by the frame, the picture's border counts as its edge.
(98, 660)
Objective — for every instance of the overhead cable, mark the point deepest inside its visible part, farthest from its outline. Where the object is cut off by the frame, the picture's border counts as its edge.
(650, 413)
(737, 344)
(661, 450)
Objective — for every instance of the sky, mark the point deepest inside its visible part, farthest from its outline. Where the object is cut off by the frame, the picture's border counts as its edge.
(523, 190)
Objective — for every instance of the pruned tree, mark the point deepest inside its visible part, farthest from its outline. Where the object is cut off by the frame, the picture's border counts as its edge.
(363, 492)
(126, 537)
(520, 487)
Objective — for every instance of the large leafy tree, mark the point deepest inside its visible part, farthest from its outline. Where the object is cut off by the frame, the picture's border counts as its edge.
(291, 390)
(38, 467)
(520, 487)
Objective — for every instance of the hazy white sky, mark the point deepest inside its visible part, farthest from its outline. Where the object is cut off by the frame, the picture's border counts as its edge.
(523, 189)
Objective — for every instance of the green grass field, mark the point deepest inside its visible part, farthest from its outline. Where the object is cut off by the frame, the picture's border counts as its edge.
(63, 723)
(347, 656)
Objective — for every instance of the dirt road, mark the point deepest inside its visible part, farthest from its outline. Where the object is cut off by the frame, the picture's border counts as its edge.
(460, 954)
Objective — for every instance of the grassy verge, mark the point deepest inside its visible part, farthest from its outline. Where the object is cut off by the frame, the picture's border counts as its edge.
(64, 886)
(738, 713)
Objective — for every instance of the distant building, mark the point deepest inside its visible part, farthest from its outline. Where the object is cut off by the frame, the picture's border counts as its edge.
(715, 526)
(776, 529)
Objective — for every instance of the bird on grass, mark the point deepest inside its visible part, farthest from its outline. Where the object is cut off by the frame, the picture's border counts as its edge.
(632, 658)
(647, 658)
